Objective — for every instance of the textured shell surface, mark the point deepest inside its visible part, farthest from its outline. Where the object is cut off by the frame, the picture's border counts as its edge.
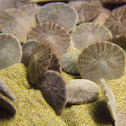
(60, 13)
(58, 38)
(102, 60)
(87, 33)
(10, 50)
(81, 91)
(54, 90)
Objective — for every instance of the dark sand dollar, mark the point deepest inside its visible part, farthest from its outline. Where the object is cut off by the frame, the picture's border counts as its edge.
(60, 13)
(10, 50)
(87, 33)
(15, 22)
(117, 21)
(54, 90)
(86, 10)
(69, 62)
(55, 64)
(81, 91)
(6, 91)
(102, 60)
(113, 1)
(27, 49)
(121, 118)
(110, 98)
(39, 62)
(7, 105)
(58, 38)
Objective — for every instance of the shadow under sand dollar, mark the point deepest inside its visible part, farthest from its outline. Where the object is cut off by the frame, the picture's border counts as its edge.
(101, 114)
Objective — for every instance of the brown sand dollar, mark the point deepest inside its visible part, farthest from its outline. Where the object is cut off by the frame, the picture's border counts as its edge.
(117, 21)
(39, 62)
(60, 13)
(58, 38)
(102, 60)
(87, 33)
(15, 22)
(81, 91)
(10, 50)
(27, 49)
(54, 90)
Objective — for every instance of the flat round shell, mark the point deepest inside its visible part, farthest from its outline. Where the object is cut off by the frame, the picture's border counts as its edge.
(54, 90)
(87, 33)
(10, 50)
(59, 13)
(81, 91)
(102, 60)
(58, 38)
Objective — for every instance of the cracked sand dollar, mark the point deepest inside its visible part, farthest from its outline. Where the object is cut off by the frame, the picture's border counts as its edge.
(87, 33)
(39, 62)
(7, 105)
(102, 60)
(110, 98)
(69, 62)
(81, 91)
(54, 90)
(121, 118)
(116, 22)
(10, 50)
(15, 22)
(58, 38)
(6, 91)
(27, 49)
(86, 10)
(60, 13)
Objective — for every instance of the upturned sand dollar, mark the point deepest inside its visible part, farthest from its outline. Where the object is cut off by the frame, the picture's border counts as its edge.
(54, 90)
(60, 13)
(117, 21)
(86, 10)
(102, 60)
(69, 62)
(110, 98)
(121, 118)
(27, 49)
(58, 38)
(15, 22)
(39, 62)
(81, 91)
(10, 50)
(6, 91)
(7, 105)
(87, 33)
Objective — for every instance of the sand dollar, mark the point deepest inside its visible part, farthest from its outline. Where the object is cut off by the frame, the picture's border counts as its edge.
(10, 50)
(87, 33)
(81, 91)
(54, 90)
(113, 1)
(60, 13)
(58, 38)
(102, 60)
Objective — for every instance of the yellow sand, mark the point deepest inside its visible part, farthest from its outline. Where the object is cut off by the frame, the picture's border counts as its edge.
(33, 110)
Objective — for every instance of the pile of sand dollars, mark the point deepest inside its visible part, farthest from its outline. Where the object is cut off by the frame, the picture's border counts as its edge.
(80, 37)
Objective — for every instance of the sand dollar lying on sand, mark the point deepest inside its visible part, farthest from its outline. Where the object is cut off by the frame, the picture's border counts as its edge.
(59, 13)
(58, 38)
(54, 90)
(6, 91)
(102, 60)
(7, 105)
(15, 22)
(117, 21)
(87, 33)
(27, 49)
(81, 91)
(10, 50)
(110, 98)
